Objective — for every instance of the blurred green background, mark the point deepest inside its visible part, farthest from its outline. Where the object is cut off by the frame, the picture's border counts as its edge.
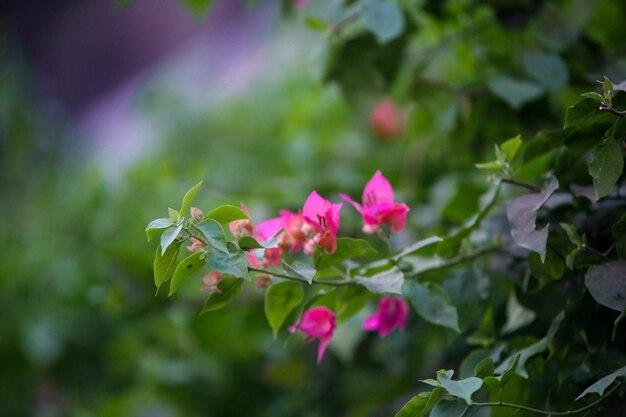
(108, 114)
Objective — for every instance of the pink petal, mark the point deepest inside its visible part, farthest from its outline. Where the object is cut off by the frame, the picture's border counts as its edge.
(377, 190)
(372, 322)
(313, 207)
(269, 228)
(356, 205)
(395, 215)
(322, 348)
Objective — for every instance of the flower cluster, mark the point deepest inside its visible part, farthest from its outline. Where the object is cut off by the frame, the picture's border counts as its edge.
(319, 322)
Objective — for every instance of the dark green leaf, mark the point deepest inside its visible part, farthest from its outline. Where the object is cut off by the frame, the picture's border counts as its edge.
(551, 269)
(389, 281)
(228, 289)
(572, 235)
(157, 226)
(233, 262)
(414, 247)
(168, 236)
(188, 198)
(421, 404)
(600, 386)
(432, 303)
(185, 269)
(302, 270)
(165, 263)
(514, 91)
(525, 354)
(606, 167)
(213, 233)
(607, 284)
(280, 300)
(226, 214)
(593, 95)
(522, 215)
(347, 248)
(619, 235)
(608, 89)
(384, 18)
(484, 368)
(449, 408)
(547, 69)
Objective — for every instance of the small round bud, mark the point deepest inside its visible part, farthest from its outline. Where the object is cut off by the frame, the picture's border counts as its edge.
(387, 120)
(263, 281)
(196, 214)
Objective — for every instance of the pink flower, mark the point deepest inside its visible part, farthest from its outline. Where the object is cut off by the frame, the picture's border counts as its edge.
(317, 323)
(387, 121)
(322, 219)
(378, 207)
(392, 314)
(211, 280)
(294, 237)
(264, 231)
(196, 245)
(241, 228)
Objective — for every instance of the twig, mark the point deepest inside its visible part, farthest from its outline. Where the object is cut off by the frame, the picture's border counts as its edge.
(608, 108)
(298, 279)
(526, 185)
(458, 260)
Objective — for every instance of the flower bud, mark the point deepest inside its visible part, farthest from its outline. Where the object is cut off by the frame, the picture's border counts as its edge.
(387, 121)
(263, 281)
(196, 214)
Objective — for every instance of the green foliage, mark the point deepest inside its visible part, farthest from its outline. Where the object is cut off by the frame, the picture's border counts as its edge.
(185, 269)
(607, 284)
(347, 248)
(213, 233)
(384, 18)
(432, 303)
(389, 281)
(165, 263)
(280, 300)
(606, 166)
(232, 262)
(228, 289)
(226, 214)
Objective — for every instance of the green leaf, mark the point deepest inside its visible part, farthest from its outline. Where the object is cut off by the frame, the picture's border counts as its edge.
(525, 354)
(414, 247)
(517, 316)
(419, 405)
(431, 302)
(157, 225)
(389, 281)
(384, 18)
(484, 368)
(226, 214)
(600, 386)
(571, 257)
(347, 248)
(280, 300)
(197, 7)
(593, 95)
(496, 382)
(606, 167)
(233, 262)
(572, 235)
(168, 236)
(608, 89)
(607, 284)
(522, 215)
(493, 165)
(551, 269)
(618, 230)
(213, 233)
(514, 91)
(165, 263)
(248, 242)
(462, 389)
(185, 269)
(511, 146)
(449, 408)
(549, 70)
(302, 270)
(228, 289)
(188, 198)
(173, 214)
(315, 23)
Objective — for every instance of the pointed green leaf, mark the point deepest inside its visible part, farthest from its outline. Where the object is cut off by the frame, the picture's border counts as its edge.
(185, 269)
(280, 300)
(302, 270)
(156, 226)
(431, 302)
(168, 236)
(227, 213)
(248, 242)
(347, 248)
(511, 146)
(213, 233)
(228, 289)
(389, 281)
(449, 408)
(606, 167)
(173, 214)
(233, 262)
(463, 388)
(593, 95)
(316, 23)
(600, 386)
(420, 405)
(165, 263)
(484, 368)
(188, 198)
